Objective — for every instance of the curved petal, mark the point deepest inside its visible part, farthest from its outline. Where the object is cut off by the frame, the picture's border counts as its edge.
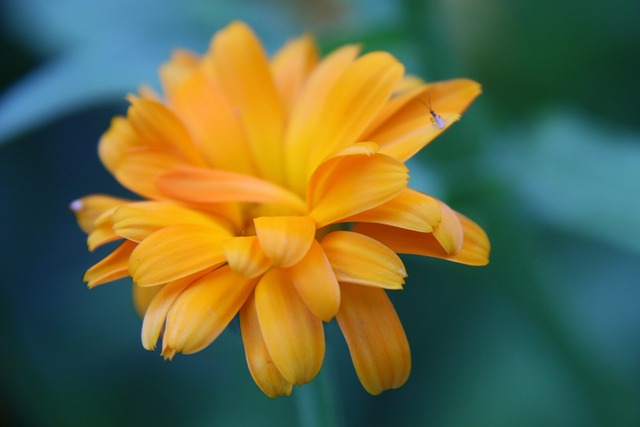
(102, 232)
(316, 283)
(245, 256)
(449, 232)
(308, 106)
(285, 239)
(136, 221)
(261, 366)
(410, 209)
(175, 252)
(291, 66)
(475, 245)
(206, 186)
(344, 112)
(203, 310)
(142, 297)
(356, 258)
(88, 209)
(179, 68)
(346, 185)
(243, 70)
(293, 335)
(377, 343)
(115, 266)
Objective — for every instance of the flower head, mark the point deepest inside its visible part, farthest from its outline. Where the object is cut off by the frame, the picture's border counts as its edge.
(276, 189)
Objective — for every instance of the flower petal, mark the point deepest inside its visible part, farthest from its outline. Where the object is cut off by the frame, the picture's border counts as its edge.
(377, 343)
(344, 110)
(475, 245)
(316, 283)
(142, 297)
(203, 310)
(175, 252)
(449, 232)
(261, 366)
(346, 185)
(356, 258)
(243, 70)
(285, 239)
(102, 232)
(206, 186)
(136, 221)
(88, 209)
(291, 67)
(410, 209)
(293, 335)
(245, 256)
(115, 266)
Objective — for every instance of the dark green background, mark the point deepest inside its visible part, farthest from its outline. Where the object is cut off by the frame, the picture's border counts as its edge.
(547, 160)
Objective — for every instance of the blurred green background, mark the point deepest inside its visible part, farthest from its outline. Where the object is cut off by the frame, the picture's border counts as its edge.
(547, 160)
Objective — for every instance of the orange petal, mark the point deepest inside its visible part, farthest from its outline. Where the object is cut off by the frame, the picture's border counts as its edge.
(316, 283)
(136, 221)
(156, 313)
(291, 67)
(262, 368)
(245, 256)
(475, 245)
(449, 232)
(345, 110)
(142, 297)
(346, 185)
(102, 232)
(179, 68)
(175, 252)
(377, 343)
(293, 335)
(285, 239)
(114, 266)
(202, 311)
(88, 209)
(410, 209)
(356, 258)
(243, 70)
(206, 186)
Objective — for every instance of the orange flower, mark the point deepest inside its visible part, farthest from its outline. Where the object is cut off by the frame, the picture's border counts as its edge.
(276, 189)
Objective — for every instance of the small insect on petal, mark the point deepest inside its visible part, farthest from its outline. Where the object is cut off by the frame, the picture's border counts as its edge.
(437, 119)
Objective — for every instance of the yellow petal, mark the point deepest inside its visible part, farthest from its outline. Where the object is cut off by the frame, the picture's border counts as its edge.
(175, 252)
(243, 70)
(291, 66)
(136, 221)
(88, 209)
(204, 309)
(206, 186)
(262, 368)
(285, 239)
(410, 209)
(344, 111)
(156, 313)
(377, 343)
(475, 245)
(114, 266)
(293, 335)
(356, 258)
(316, 283)
(102, 232)
(307, 107)
(245, 256)
(346, 185)
(449, 232)
(142, 297)
(178, 69)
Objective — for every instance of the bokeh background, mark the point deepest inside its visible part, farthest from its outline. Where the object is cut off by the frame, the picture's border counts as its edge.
(547, 160)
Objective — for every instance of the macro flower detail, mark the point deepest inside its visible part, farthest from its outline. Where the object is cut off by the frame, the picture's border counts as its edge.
(275, 189)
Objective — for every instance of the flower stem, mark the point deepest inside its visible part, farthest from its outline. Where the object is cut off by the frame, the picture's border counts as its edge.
(315, 404)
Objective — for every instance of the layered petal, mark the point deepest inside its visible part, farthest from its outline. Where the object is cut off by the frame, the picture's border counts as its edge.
(356, 258)
(315, 281)
(142, 297)
(245, 256)
(88, 209)
(175, 252)
(102, 232)
(114, 266)
(207, 186)
(285, 240)
(449, 232)
(263, 370)
(293, 335)
(377, 343)
(346, 185)
(243, 70)
(203, 310)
